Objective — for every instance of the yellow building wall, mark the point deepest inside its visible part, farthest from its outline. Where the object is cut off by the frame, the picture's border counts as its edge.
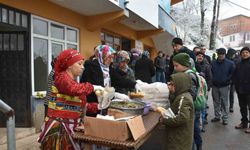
(131, 34)
(88, 39)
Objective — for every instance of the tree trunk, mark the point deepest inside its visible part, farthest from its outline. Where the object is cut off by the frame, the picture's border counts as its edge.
(212, 34)
(202, 16)
(217, 18)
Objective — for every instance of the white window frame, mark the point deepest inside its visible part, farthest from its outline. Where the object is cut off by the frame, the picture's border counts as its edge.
(50, 41)
(247, 36)
(232, 38)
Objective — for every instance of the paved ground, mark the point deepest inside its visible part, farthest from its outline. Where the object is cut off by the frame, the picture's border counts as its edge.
(216, 137)
(27, 143)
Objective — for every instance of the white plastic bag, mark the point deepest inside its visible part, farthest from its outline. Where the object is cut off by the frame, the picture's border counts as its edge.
(156, 93)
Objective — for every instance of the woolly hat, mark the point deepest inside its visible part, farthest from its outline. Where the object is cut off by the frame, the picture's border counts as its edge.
(183, 59)
(221, 51)
(177, 41)
(230, 53)
(67, 58)
(245, 49)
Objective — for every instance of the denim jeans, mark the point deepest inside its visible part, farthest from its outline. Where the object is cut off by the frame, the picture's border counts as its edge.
(160, 76)
(197, 130)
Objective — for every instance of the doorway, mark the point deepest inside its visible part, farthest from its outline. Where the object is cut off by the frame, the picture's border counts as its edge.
(15, 77)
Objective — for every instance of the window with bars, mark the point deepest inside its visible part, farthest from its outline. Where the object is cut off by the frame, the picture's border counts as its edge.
(11, 42)
(111, 40)
(13, 17)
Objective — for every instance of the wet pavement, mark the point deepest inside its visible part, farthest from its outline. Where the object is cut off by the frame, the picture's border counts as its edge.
(217, 135)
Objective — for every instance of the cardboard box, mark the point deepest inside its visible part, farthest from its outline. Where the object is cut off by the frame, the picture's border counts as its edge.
(114, 130)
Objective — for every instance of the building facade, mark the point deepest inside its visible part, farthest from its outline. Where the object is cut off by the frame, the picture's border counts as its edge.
(235, 31)
(32, 33)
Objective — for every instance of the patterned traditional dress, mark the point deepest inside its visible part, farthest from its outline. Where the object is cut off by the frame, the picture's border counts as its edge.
(65, 111)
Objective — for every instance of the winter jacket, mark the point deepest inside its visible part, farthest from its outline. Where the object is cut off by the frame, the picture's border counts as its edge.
(179, 129)
(222, 72)
(204, 69)
(208, 59)
(160, 63)
(123, 82)
(144, 69)
(94, 75)
(182, 50)
(241, 77)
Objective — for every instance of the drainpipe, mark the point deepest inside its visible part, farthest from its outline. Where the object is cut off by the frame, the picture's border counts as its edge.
(10, 124)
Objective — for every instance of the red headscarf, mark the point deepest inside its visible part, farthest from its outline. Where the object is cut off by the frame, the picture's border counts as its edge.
(67, 58)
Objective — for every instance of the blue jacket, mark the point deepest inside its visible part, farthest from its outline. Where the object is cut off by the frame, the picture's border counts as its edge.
(222, 72)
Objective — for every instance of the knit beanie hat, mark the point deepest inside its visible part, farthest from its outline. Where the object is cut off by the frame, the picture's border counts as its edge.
(183, 59)
(177, 41)
(245, 49)
(221, 51)
(67, 58)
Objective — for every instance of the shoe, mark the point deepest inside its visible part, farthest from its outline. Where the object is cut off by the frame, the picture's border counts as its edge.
(241, 126)
(199, 147)
(205, 122)
(203, 129)
(215, 119)
(247, 130)
(231, 110)
(225, 122)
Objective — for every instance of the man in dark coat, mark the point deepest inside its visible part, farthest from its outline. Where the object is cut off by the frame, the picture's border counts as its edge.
(144, 68)
(241, 80)
(178, 48)
(231, 55)
(207, 58)
(222, 71)
(160, 66)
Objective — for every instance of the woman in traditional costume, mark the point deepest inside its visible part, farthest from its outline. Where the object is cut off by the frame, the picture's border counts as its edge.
(67, 104)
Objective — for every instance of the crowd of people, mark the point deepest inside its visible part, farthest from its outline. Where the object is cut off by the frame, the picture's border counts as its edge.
(68, 100)
(224, 75)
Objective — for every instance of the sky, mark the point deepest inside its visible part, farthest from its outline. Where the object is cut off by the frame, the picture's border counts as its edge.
(228, 9)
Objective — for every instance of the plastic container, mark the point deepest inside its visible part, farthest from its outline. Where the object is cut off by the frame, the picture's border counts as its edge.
(147, 108)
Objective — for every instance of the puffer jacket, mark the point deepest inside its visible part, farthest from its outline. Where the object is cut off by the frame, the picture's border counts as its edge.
(180, 128)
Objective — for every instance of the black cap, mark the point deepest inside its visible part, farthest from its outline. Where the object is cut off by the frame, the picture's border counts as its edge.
(221, 51)
(177, 41)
